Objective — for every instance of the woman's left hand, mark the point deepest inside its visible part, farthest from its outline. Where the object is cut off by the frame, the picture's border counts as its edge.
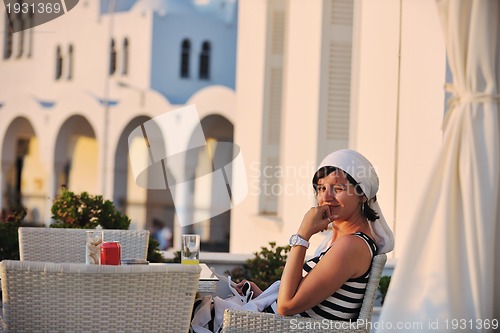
(253, 287)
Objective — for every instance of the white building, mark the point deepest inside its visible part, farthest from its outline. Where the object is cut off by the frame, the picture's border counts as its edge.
(286, 80)
(362, 74)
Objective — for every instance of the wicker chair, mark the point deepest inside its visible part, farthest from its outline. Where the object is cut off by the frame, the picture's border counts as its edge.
(68, 297)
(68, 245)
(238, 321)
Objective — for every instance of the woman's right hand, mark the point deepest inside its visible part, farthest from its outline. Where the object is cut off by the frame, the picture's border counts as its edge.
(314, 221)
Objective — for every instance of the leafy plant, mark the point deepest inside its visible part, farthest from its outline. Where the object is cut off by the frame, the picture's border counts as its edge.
(86, 211)
(265, 268)
(383, 287)
(9, 241)
(176, 259)
(154, 254)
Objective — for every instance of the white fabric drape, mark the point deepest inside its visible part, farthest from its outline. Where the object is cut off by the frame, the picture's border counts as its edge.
(449, 269)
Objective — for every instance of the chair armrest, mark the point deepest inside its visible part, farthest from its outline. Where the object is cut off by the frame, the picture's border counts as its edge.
(236, 321)
(239, 321)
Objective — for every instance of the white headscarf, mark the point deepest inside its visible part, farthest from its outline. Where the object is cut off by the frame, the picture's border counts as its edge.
(363, 172)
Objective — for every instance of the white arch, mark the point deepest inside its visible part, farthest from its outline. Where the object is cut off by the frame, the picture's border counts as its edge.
(215, 99)
(21, 106)
(76, 103)
(21, 127)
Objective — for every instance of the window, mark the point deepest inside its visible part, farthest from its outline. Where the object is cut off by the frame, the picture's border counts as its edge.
(59, 63)
(205, 61)
(125, 57)
(7, 51)
(30, 34)
(18, 44)
(185, 53)
(70, 62)
(19, 24)
(112, 57)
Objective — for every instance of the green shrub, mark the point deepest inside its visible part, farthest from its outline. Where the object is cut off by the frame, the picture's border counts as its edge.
(154, 254)
(86, 211)
(175, 260)
(265, 268)
(383, 287)
(9, 240)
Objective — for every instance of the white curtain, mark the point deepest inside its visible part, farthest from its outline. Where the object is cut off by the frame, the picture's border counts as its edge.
(447, 277)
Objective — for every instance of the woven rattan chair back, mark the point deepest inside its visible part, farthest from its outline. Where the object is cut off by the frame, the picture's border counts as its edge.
(238, 321)
(68, 297)
(68, 245)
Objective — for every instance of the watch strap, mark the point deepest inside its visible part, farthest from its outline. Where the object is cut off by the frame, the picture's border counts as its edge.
(297, 240)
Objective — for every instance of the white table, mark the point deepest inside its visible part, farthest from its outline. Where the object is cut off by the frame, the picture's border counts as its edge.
(208, 280)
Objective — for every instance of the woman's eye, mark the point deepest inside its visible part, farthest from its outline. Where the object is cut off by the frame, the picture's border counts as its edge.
(338, 189)
(321, 188)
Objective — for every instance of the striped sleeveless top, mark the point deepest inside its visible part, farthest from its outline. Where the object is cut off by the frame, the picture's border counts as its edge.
(345, 303)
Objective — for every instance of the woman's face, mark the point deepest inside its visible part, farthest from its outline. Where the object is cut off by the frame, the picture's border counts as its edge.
(336, 191)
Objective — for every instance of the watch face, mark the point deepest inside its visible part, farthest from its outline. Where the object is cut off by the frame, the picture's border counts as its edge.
(297, 240)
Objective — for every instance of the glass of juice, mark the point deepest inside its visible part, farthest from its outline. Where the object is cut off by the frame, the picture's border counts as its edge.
(190, 251)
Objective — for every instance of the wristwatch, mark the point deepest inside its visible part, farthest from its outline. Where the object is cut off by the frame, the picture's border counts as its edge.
(297, 240)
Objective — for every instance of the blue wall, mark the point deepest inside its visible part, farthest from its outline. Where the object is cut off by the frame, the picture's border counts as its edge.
(168, 33)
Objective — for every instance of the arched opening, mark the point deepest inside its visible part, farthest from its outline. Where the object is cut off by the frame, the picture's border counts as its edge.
(76, 156)
(19, 27)
(59, 63)
(185, 54)
(214, 230)
(151, 209)
(29, 23)
(23, 172)
(112, 57)
(70, 61)
(125, 60)
(8, 38)
(204, 72)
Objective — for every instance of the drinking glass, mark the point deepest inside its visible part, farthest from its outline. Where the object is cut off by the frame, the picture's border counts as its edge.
(190, 251)
(93, 247)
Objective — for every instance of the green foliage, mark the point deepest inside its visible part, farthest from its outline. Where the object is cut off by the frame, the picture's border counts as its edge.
(383, 287)
(176, 259)
(9, 240)
(154, 254)
(86, 211)
(265, 268)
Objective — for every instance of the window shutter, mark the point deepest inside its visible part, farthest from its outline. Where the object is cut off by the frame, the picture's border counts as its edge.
(339, 83)
(339, 74)
(278, 32)
(270, 181)
(341, 12)
(274, 111)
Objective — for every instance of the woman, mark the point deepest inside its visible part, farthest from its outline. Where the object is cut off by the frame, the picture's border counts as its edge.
(332, 284)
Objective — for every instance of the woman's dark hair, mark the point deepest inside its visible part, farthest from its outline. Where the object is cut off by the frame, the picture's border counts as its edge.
(367, 211)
